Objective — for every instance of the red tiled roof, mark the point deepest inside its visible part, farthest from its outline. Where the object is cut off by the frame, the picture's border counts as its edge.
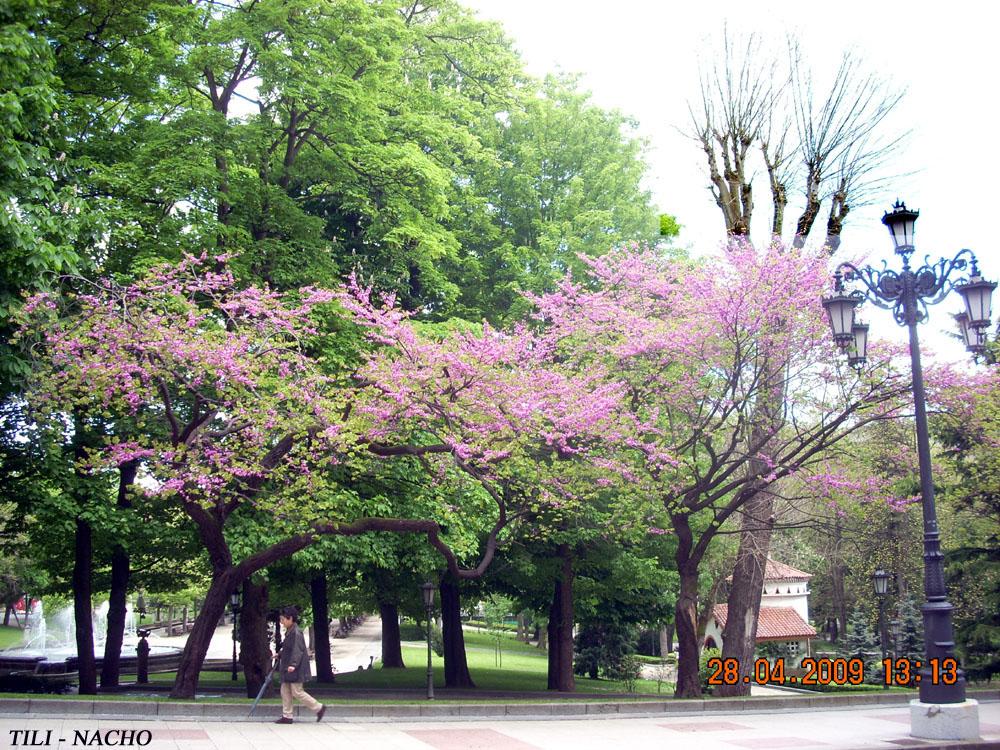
(773, 623)
(778, 571)
(775, 570)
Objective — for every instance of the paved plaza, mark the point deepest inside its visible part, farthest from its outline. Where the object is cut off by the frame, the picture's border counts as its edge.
(859, 727)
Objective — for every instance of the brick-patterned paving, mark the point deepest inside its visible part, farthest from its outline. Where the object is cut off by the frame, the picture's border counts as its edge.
(179, 734)
(704, 726)
(468, 739)
(765, 743)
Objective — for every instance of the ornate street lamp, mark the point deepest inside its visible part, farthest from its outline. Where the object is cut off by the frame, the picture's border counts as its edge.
(427, 590)
(234, 606)
(907, 293)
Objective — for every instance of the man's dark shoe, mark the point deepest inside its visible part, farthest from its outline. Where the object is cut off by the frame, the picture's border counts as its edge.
(283, 720)
(319, 714)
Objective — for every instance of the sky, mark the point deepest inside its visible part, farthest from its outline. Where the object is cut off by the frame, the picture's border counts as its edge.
(643, 59)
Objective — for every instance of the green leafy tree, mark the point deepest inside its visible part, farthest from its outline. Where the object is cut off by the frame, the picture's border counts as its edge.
(37, 214)
(861, 641)
(567, 182)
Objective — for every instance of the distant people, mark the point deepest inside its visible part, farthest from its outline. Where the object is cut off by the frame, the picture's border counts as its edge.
(294, 667)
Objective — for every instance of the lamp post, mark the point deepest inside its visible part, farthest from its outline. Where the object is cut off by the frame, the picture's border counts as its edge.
(907, 293)
(234, 605)
(880, 581)
(427, 589)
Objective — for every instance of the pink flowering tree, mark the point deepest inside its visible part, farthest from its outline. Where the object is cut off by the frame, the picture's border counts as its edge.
(225, 410)
(698, 348)
(506, 416)
(233, 420)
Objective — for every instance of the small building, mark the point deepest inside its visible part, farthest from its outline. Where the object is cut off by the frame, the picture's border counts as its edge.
(784, 611)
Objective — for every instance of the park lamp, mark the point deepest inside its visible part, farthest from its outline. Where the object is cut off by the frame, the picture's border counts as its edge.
(234, 602)
(902, 223)
(857, 351)
(973, 338)
(427, 589)
(840, 311)
(978, 296)
(880, 580)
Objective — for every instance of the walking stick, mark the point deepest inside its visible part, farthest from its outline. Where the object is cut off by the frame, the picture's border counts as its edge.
(260, 693)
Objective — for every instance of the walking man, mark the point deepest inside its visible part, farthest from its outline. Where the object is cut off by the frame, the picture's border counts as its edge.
(294, 667)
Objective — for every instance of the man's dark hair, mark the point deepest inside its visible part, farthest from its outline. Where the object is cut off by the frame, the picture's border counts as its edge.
(291, 612)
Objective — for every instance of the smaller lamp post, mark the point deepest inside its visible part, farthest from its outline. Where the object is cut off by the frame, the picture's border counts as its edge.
(880, 580)
(140, 606)
(427, 589)
(234, 605)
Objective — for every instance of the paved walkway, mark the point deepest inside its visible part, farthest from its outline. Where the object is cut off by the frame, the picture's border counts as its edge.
(841, 729)
(364, 642)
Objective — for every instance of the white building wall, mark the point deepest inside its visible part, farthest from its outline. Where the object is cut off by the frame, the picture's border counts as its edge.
(776, 594)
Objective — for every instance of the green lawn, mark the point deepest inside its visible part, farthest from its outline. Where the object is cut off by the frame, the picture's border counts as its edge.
(475, 639)
(521, 667)
(10, 636)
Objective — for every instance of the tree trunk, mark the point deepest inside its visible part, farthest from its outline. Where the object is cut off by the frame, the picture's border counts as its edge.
(740, 634)
(739, 637)
(686, 621)
(119, 587)
(321, 622)
(255, 648)
(552, 628)
(82, 583)
(116, 617)
(561, 617)
(392, 649)
(838, 574)
(198, 640)
(543, 638)
(456, 666)
(666, 640)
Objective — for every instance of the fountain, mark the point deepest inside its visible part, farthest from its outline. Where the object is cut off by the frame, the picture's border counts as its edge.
(48, 645)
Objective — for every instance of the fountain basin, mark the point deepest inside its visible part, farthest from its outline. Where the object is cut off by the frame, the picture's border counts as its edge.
(62, 662)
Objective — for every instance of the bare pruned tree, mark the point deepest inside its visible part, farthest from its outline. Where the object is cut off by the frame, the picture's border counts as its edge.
(841, 147)
(833, 148)
(738, 96)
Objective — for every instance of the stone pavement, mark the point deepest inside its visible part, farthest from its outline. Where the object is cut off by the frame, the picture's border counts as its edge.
(832, 729)
(364, 642)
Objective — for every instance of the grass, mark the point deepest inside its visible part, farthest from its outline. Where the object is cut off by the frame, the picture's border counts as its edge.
(10, 636)
(520, 668)
(475, 639)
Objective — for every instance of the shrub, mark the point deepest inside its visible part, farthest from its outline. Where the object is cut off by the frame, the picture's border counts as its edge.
(703, 671)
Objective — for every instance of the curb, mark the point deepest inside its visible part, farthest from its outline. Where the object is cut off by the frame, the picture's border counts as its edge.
(348, 712)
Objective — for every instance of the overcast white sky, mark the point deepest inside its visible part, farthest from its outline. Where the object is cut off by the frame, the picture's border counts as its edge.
(642, 58)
